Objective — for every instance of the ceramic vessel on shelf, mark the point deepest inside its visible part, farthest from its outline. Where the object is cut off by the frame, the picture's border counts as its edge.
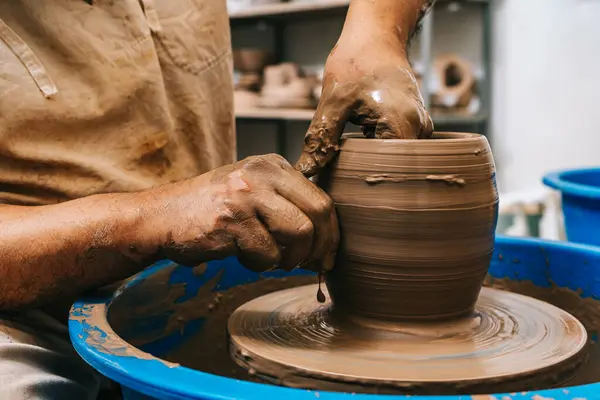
(285, 87)
(250, 59)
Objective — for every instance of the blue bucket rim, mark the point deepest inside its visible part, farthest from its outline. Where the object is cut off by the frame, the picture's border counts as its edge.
(557, 180)
(186, 383)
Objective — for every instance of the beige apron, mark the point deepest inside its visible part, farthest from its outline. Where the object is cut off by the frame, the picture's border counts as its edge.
(117, 95)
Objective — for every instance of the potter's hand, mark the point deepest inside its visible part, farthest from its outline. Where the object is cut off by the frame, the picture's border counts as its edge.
(259, 209)
(370, 86)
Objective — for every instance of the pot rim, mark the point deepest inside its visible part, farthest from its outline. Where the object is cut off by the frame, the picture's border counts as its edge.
(444, 137)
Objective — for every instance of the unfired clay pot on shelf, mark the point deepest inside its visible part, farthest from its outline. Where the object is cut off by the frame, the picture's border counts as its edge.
(250, 59)
(418, 218)
(284, 87)
(454, 82)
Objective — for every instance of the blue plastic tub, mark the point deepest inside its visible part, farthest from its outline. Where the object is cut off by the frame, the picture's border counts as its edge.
(144, 376)
(580, 189)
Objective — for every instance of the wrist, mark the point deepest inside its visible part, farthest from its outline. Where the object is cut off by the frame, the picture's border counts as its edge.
(390, 21)
(140, 226)
(367, 38)
(162, 213)
(355, 58)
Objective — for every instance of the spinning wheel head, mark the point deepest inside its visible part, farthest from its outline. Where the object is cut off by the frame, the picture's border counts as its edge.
(509, 342)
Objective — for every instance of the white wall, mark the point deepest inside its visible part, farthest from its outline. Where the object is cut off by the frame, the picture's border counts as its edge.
(546, 93)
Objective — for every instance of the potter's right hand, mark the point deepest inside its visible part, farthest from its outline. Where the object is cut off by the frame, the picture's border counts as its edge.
(259, 209)
(370, 83)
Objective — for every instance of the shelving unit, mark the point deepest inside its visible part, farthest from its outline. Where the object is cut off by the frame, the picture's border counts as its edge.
(277, 16)
(287, 9)
(288, 114)
(306, 6)
(291, 114)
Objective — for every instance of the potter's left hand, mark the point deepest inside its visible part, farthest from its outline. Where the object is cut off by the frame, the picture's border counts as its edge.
(370, 85)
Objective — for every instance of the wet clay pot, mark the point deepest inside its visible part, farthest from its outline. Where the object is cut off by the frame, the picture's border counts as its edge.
(417, 220)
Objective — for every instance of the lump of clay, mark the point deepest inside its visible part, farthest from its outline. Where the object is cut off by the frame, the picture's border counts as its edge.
(284, 87)
(245, 99)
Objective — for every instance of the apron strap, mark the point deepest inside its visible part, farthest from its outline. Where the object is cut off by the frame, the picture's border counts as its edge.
(28, 58)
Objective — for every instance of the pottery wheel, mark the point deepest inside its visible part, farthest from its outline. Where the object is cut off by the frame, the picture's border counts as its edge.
(288, 338)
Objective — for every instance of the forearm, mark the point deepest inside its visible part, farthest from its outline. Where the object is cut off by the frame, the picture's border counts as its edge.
(50, 253)
(391, 20)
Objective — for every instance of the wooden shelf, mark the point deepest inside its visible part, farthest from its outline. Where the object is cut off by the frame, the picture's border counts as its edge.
(449, 119)
(287, 114)
(305, 6)
(292, 7)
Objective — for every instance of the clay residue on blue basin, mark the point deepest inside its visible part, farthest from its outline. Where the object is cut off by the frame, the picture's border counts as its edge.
(159, 306)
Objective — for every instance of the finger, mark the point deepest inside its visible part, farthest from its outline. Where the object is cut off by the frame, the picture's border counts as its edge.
(399, 122)
(420, 121)
(425, 122)
(394, 127)
(291, 228)
(319, 208)
(323, 136)
(257, 250)
(427, 128)
(386, 116)
(367, 120)
(326, 262)
(331, 252)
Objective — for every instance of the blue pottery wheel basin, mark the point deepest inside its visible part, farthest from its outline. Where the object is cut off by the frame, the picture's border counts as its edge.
(580, 190)
(141, 311)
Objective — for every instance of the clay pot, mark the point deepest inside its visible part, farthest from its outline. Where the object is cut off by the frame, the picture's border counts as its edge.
(455, 82)
(250, 60)
(417, 221)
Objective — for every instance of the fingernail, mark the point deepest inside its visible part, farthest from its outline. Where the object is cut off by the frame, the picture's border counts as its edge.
(306, 164)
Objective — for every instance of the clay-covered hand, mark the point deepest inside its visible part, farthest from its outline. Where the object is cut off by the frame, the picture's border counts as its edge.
(372, 86)
(259, 209)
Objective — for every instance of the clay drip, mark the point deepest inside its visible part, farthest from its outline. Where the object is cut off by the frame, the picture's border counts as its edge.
(320, 295)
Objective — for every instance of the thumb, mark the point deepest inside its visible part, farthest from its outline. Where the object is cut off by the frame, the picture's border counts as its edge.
(322, 138)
